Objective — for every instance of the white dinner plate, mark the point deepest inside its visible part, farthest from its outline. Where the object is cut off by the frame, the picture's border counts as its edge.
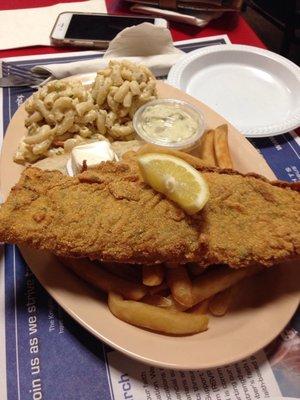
(257, 90)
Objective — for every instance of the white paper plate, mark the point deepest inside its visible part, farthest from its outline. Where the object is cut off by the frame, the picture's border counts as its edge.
(256, 90)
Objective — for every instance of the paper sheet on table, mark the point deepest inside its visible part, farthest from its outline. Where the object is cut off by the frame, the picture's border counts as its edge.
(32, 26)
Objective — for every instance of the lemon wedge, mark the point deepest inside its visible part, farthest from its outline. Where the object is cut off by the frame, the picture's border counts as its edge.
(176, 179)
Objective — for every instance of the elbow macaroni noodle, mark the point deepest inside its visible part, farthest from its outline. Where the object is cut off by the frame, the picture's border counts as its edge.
(118, 91)
(63, 114)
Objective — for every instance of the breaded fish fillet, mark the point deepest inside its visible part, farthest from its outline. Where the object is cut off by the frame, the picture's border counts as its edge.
(111, 214)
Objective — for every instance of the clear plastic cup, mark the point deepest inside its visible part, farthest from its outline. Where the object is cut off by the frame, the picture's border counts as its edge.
(184, 115)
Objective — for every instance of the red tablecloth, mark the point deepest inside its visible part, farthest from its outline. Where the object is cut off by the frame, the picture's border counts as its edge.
(232, 24)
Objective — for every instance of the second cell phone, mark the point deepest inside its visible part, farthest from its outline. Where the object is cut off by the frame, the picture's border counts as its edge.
(93, 30)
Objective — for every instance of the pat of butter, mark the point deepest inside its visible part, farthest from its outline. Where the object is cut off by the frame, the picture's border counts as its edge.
(92, 153)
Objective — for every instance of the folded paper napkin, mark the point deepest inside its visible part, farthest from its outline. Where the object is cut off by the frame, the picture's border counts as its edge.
(32, 26)
(145, 43)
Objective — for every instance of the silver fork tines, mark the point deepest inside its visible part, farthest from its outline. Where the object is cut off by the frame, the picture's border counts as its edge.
(20, 76)
(15, 80)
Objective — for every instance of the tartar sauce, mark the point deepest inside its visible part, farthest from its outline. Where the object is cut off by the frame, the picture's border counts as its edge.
(168, 123)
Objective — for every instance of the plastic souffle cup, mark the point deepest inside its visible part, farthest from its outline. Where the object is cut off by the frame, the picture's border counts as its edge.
(170, 123)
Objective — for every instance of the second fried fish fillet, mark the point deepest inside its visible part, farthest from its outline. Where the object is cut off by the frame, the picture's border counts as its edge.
(111, 214)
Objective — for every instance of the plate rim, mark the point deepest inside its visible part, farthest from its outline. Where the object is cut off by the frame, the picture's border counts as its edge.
(289, 124)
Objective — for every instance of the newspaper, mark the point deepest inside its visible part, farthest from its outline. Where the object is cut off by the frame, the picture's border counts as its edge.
(45, 354)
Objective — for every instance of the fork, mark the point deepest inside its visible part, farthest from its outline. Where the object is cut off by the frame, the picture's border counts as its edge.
(16, 81)
(17, 76)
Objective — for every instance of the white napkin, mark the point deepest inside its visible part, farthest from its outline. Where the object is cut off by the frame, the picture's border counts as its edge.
(32, 26)
(142, 40)
(145, 43)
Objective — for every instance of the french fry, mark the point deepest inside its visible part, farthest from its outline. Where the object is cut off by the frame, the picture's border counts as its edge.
(129, 272)
(161, 289)
(194, 161)
(157, 300)
(213, 282)
(200, 308)
(220, 303)
(156, 318)
(164, 301)
(153, 275)
(222, 153)
(206, 149)
(180, 285)
(104, 280)
(174, 305)
(196, 269)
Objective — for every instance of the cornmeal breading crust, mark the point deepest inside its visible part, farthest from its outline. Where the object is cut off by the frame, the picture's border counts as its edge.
(111, 214)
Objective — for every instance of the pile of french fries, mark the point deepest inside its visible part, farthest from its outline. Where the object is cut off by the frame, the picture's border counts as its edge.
(170, 298)
(214, 149)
